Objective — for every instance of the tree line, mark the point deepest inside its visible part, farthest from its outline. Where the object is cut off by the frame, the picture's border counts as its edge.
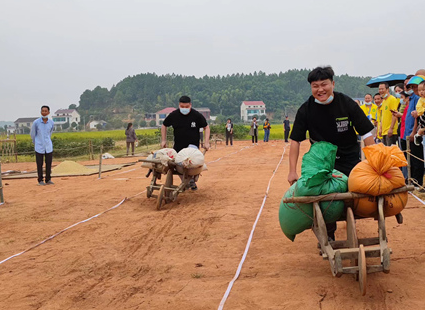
(144, 93)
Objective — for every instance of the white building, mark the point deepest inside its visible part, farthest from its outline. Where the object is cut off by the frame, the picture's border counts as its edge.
(10, 129)
(24, 124)
(251, 108)
(93, 124)
(66, 116)
(161, 115)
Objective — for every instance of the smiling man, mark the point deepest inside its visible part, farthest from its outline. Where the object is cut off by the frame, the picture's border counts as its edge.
(329, 116)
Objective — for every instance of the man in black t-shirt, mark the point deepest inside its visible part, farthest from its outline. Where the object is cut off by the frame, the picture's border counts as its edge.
(329, 116)
(186, 123)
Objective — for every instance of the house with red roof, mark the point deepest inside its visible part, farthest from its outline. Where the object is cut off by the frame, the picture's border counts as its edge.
(161, 115)
(251, 108)
(65, 116)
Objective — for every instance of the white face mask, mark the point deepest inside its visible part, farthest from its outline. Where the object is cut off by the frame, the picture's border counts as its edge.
(368, 103)
(44, 117)
(397, 95)
(184, 111)
(401, 101)
(329, 100)
(385, 96)
(409, 92)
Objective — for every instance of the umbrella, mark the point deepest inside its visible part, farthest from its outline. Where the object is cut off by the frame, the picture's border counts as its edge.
(416, 80)
(391, 78)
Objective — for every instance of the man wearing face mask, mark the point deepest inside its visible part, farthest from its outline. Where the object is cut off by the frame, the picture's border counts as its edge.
(378, 102)
(41, 133)
(329, 116)
(370, 110)
(389, 124)
(186, 123)
(416, 161)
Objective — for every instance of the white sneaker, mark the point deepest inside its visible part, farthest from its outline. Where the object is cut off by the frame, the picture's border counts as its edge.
(256, 143)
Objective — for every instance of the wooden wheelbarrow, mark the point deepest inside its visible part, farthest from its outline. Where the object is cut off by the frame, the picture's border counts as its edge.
(353, 249)
(168, 192)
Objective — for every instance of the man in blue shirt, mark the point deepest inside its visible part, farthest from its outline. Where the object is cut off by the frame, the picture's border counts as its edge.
(41, 135)
(416, 163)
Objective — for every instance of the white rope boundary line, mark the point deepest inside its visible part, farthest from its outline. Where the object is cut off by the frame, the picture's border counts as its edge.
(417, 198)
(69, 227)
(248, 244)
(218, 159)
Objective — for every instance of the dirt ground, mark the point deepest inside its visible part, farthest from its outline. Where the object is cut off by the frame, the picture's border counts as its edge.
(183, 257)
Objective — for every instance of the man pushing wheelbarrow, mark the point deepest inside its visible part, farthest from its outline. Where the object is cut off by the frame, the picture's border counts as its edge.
(186, 123)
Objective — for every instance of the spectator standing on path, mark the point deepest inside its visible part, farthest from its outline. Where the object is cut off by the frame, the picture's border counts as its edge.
(378, 102)
(266, 127)
(389, 123)
(131, 138)
(404, 101)
(229, 132)
(370, 110)
(41, 135)
(329, 116)
(286, 128)
(253, 132)
(416, 161)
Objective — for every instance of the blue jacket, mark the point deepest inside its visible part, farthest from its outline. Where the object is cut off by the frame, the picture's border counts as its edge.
(410, 120)
(41, 134)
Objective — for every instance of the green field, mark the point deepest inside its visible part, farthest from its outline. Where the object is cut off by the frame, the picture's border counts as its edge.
(116, 135)
(276, 133)
(78, 140)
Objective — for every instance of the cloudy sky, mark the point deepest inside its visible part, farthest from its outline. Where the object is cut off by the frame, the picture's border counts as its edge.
(53, 50)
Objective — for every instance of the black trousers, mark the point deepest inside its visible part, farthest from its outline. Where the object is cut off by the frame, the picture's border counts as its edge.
(286, 135)
(417, 166)
(255, 136)
(39, 158)
(345, 167)
(229, 136)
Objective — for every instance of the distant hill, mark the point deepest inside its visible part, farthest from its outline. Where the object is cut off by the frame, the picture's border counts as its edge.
(3, 123)
(148, 92)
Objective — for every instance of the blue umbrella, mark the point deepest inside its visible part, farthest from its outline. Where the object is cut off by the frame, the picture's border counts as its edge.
(391, 78)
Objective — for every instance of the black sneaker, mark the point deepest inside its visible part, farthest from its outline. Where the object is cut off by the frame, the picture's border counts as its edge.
(417, 139)
(193, 185)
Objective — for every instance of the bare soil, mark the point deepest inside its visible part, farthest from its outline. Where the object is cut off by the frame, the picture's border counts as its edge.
(183, 257)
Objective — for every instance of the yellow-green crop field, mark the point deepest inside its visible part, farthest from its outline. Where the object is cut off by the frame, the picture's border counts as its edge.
(276, 133)
(116, 135)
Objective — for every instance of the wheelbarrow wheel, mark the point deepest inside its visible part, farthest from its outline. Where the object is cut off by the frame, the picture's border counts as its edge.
(160, 198)
(148, 192)
(362, 270)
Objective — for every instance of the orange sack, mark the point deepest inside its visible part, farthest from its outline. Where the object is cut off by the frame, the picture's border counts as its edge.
(368, 207)
(378, 175)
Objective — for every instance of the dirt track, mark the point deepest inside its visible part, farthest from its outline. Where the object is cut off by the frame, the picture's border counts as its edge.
(183, 257)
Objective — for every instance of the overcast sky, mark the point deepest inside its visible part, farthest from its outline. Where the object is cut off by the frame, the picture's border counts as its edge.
(52, 51)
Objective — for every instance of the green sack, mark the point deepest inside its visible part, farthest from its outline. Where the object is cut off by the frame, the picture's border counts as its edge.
(317, 178)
